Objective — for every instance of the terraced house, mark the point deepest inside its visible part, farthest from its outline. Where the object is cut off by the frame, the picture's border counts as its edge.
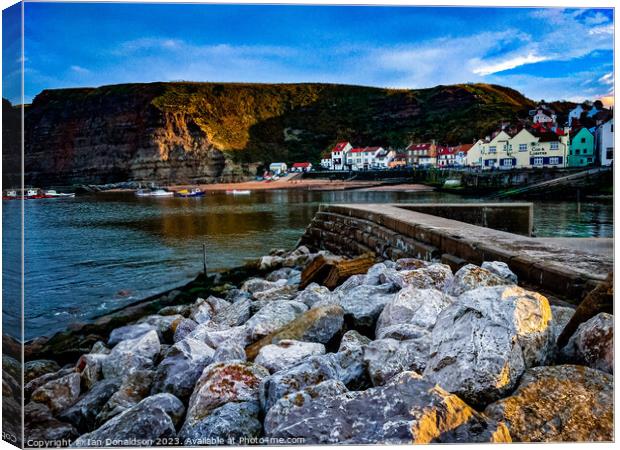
(526, 149)
(581, 150)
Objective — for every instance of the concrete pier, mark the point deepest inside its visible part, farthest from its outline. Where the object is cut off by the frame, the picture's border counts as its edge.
(564, 267)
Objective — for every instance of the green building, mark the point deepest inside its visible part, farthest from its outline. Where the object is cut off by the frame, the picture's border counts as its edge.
(581, 149)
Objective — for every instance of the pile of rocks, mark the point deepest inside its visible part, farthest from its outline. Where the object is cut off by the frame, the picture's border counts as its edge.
(408, 352)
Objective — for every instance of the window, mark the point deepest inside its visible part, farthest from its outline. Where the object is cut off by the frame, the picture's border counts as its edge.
(538, 161)
(554, 146)
(492, 149)
(583, 140)
(577, 152)
(590, 160)
(523, 147)
(508, 162)
(555, 160)
(609, 153)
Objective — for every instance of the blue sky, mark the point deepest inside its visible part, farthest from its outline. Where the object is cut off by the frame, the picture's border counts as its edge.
(544, 53)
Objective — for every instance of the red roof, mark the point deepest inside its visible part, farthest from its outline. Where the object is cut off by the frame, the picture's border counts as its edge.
(371, 149)
(425, 146)
(339, 146)
(302, 165)
(356, 150)
(445, 151)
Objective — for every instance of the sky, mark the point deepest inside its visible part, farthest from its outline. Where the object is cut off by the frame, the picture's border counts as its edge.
(544, 53)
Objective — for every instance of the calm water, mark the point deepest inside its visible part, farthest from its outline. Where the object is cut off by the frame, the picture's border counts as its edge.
(91, 254)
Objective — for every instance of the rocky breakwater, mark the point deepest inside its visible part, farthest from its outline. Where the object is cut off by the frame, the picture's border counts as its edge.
(406, 352)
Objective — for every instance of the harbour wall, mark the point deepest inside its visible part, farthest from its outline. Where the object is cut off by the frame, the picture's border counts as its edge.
(566, 268)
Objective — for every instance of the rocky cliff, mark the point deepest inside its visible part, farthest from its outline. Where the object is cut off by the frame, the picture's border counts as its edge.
(189, 132)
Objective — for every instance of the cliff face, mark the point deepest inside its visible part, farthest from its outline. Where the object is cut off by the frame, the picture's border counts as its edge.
(197, 132)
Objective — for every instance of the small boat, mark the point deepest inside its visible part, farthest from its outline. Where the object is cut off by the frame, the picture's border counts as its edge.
(239, 192)
(154, 193)
(54, 194)
(190, 193)
(21, 194)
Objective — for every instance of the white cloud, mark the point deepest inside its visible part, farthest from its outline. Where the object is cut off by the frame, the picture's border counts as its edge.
(508, 64)
(80, 70)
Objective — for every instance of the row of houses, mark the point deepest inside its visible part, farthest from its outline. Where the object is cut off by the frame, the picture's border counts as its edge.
(539, 145)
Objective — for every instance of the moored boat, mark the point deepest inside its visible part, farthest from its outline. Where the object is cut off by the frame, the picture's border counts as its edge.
(153, 193)
(53, 194)
(195, 192)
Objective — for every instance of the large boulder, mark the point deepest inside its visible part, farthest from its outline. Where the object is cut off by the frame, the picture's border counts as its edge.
(184, 328)
(406, 410)
(129, 332)
(89, 366)
(282, 293)
(131, 355)
(151, 422)
(386, 358)
(273, 316)
(313, 293)
(363, 304)
(416, 308)
(593, 344)
(58, 394)
(482, 343)
(165, 325)
(559, 403)
(319, 325)
(433, 276)
(221, 383)
(287, 353)
(471, 277)
(229, 351)
(235, 314)
(204, 310)
(83, 414)
(234, 423)
(35, 384)
(134, 387)
(41, 426)
(184, 363)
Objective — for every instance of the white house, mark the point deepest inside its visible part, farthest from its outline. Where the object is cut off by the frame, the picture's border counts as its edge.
(383, 158)
(301, 167)
(604, 142)
(339, 155)
(362, 158)
(575, 113)
(278, 168)
(543, 115)
(474, 154)
(326, 161)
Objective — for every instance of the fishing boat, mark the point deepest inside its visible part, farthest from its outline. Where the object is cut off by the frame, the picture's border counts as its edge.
(20, 194)
(53, 194)
(153, 193)
(195, 192)
(239, 192)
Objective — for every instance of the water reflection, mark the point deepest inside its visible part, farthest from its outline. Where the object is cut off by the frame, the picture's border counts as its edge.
(90, 254)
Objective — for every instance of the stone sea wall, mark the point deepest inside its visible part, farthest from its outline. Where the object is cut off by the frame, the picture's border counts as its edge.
(408, 352)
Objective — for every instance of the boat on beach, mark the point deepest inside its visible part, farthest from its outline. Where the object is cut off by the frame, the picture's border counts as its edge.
(239, 192)
(31, 194)
(195, 192)
(154, 193)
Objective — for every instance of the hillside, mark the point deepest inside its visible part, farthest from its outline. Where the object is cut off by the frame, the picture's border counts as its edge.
(202, 131)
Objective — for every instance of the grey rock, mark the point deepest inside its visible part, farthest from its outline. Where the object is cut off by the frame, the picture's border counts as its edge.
(592, 344)
(433, 276)
(410, 264)
(312, 294)
(129, 332)
(471, 277)
(184, 328)
(134, 388)
(287, 353)
(280, 274)
(141, 425)
(363, 304)
(89, 366)
(406, 410)
(284, 292)
(58, 394)
(165, 325)
(216, 338)
(229, 351)
(236, 314)
(352, 282)
(482, 343)
(183, 310)
(352, 340)
(178, 372)
(256, 285)
(228, 424)
(386, 358)
(100, 347)
(418, 308)
(502, 270)
(204, 310)
(270, 262)
(374, 274)
(83, 414)
(273, 316)
(131, 355)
